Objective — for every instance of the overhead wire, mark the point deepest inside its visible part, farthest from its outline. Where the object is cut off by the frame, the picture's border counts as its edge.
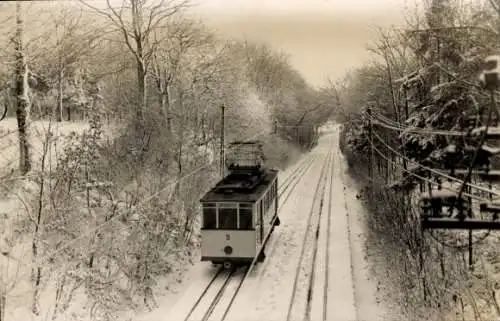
(473, 162)
(478, 148)
(415, 130)
(385, 119)
(387, 123)
(436, 172)
(421, 177)
(432, 170)
(392, 124)
(457, 247)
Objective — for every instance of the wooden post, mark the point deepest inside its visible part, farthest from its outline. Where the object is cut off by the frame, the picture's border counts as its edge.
(405, 164)
(370, 135)
(222, 165)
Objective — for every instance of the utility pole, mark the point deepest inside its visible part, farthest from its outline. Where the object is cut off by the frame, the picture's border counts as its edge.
(222, 165)
(370, 137)
(469, 214)
(405, 164)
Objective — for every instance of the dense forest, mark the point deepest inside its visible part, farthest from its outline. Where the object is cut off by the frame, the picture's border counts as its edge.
(400, 113)
(113, 132)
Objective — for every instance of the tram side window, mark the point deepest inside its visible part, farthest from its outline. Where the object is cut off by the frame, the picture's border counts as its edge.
(228, 218)
(256, 213)
(261, 209)
(209, 217)
(246, 218)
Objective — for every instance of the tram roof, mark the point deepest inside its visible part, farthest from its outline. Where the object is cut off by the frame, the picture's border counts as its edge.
(216, 195)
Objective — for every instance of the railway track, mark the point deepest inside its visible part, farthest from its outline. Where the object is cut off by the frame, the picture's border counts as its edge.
(307, 265)
(326, 284)
(282, 199)
(216, 299)
(297, 173)
(292, 181)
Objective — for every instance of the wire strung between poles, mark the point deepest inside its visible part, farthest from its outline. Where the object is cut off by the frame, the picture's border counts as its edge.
(436, 172)
(457, 247)
(461, 215)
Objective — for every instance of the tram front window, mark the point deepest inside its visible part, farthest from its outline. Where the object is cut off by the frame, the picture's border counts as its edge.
(209, 218)
(228, 218)
(246, 219)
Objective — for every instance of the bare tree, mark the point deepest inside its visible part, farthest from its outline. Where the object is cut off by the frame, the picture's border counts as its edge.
(3, 114)
(180, 38)
(136, 21)
(22, 98)
(73, 41)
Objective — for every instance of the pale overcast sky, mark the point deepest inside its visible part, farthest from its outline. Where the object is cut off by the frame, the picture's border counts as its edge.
(325, 38)
(289, 6)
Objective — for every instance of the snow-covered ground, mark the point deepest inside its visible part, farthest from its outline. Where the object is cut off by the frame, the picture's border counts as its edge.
(351, 292)
(15, 269)
(39, 134)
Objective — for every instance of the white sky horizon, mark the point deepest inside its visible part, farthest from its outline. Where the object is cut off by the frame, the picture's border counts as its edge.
(296, 6)
(324, 38)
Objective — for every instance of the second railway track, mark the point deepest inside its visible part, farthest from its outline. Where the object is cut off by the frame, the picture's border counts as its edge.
(300, 172)
(300, 304)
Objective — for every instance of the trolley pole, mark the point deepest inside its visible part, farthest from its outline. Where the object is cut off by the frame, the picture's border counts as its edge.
(405, 164)
(371, 157)
(222, 152)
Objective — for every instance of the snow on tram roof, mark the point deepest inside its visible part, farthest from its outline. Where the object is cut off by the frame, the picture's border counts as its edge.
(241, 195)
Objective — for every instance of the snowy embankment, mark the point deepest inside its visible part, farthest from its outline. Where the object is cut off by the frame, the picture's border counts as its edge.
(266, 294)
(9, 143)
(14, 196)
(371, 294)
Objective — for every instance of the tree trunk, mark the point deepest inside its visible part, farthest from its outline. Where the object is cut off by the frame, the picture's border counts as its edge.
(22, 103)
(59, 112)
(35, 307)
(92, 238)
(163, 87)
(3, 299)
(37, 273)
(59, 295)
(141, 86)
(167, 110)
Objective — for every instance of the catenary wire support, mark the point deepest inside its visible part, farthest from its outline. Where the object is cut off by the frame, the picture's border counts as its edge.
(222, 149)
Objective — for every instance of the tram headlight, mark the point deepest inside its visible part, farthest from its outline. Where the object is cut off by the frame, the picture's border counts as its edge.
(228, 250)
